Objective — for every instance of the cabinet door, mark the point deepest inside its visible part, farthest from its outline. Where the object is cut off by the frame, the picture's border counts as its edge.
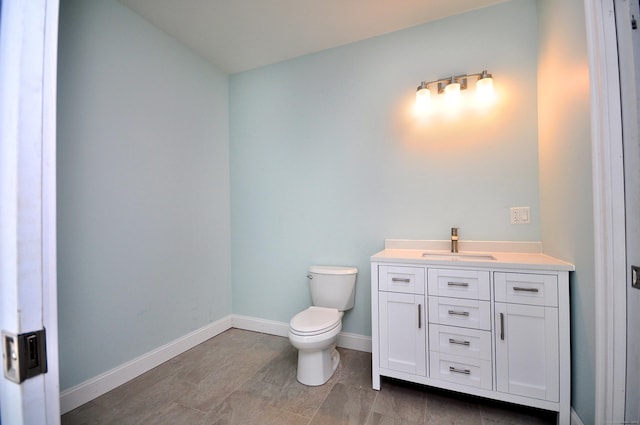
(527, 350)
(402, 329)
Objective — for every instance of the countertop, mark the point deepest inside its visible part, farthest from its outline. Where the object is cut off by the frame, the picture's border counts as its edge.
(504, 258)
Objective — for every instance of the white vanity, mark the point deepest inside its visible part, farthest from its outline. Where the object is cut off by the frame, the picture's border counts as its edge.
(491, 320)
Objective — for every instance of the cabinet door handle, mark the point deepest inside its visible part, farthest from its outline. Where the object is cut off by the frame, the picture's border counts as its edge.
(457, 341)
(400, 279)
(502, 326)
(463, 284)
(459, 313)
(419, 316)
(463, 371)
(521, 289)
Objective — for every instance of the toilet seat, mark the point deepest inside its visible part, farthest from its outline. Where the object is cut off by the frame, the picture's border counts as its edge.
(315, 321)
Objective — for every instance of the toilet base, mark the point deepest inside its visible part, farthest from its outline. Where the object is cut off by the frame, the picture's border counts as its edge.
(316, 367)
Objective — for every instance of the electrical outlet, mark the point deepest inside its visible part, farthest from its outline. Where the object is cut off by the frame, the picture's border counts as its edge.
(520, 215)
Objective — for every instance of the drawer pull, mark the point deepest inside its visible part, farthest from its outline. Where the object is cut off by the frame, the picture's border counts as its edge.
(462, 284)
(456, 341)
(419, 316)
(521, 289)
(463, 371)
(459, 313)
(400, 279)
(502, 326)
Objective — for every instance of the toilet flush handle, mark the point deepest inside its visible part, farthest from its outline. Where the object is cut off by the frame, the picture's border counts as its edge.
(309, 276)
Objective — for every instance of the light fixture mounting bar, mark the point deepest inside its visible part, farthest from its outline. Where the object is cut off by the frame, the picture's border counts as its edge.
(460, 79)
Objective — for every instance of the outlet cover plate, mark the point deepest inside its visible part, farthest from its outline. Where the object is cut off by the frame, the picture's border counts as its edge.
(520, 215)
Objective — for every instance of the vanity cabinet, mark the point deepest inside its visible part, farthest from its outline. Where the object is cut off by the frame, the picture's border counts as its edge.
(491, 329)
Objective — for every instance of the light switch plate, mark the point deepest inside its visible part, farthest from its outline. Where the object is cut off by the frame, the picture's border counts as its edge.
(520, 215)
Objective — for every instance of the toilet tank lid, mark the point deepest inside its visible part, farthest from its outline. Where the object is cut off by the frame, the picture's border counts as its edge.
(333, 270)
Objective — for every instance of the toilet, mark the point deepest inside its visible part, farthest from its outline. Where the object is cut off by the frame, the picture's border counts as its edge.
(314, 331)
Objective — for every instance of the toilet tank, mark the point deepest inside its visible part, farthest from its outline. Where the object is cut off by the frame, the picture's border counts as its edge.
(333, 287)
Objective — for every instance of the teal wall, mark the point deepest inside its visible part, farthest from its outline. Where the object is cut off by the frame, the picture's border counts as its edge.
(143, 189)
(565, 178)
(328, 160)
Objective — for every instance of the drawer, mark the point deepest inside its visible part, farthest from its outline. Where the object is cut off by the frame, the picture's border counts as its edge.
(460, 341)
(472, 284)
(472, 314)
(522, 288)
(461, 370)
(409, 280)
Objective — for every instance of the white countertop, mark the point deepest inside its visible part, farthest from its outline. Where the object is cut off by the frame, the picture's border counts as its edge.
(397, 251)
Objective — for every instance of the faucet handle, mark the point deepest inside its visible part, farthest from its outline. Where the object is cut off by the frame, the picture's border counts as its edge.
(454, 239)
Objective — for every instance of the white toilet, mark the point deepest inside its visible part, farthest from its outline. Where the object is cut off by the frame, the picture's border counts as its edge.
(314, 331)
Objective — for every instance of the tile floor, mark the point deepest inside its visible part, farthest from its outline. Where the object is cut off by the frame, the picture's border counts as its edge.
(242, 377)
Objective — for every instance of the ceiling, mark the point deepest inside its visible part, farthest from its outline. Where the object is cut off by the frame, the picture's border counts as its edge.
(237, 35)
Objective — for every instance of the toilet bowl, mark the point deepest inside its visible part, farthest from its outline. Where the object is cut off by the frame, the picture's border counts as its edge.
(314, 331)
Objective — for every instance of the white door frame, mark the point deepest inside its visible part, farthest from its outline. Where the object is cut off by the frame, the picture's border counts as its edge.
(629, 53)
(28, 301)
(609, 216)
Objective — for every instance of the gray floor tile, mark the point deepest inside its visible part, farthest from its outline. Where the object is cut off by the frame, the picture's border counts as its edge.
(376, 418)
(88, 414)
(212, 388)
(355, 368)
(174, 414)
(345, 405)
(495, 413)
(452, 409)
(401, 401)
(242, 408)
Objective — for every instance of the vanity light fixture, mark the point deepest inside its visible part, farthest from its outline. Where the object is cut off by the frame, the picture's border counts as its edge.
(451, 87)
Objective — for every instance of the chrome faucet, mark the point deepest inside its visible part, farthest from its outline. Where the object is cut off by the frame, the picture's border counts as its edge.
(454, 239)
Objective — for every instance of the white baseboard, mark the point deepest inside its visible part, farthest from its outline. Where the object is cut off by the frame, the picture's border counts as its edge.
(255, 324)
(575, 419)
(86, 391)
(354, 342)
(271, 327)
(95, 387)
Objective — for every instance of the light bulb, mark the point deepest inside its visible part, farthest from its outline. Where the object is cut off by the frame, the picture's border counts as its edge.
(423, 98)
(484, 89)
(452, 93)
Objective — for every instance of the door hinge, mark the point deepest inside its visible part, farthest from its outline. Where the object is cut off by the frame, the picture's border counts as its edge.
(635, 277)
(24, 355)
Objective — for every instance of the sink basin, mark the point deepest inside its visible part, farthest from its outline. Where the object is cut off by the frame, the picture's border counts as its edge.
(457, 256)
